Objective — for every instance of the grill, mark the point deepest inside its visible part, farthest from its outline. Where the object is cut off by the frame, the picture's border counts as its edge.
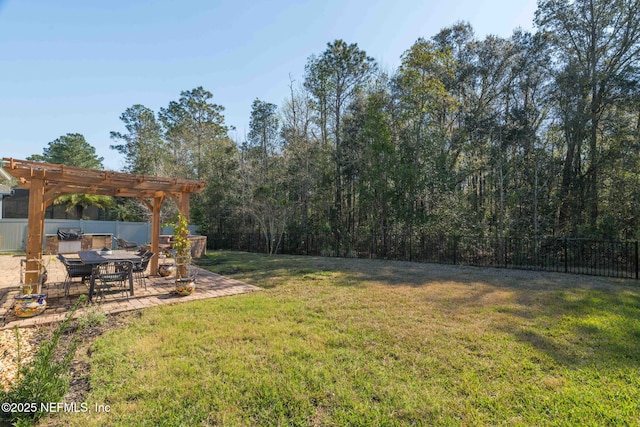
(70, 234)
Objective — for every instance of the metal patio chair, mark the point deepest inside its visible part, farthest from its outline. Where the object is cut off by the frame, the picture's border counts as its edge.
(126, 245)
(75, 269)
(139, 269)
(112, 276)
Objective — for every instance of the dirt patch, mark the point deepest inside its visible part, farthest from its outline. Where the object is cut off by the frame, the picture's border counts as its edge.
(80, 368)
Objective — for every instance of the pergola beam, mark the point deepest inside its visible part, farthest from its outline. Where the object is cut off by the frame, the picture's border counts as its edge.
(117, 192)
(86, 182)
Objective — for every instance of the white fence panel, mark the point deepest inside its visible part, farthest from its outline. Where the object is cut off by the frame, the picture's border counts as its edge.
(139, 232)
(13, 232)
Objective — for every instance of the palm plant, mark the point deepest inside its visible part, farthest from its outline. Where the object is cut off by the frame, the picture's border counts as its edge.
(79, 202)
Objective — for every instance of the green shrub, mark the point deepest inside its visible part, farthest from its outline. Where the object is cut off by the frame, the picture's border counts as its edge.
(93, 317)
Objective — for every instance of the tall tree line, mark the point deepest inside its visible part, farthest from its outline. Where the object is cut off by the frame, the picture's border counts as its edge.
(536, 134)
(531, 135)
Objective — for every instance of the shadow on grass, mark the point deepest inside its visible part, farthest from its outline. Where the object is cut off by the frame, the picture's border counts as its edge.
(582, 327)
(259, 268)
(576, 320)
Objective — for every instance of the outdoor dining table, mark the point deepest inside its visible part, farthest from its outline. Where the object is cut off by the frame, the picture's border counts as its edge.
(95, 258)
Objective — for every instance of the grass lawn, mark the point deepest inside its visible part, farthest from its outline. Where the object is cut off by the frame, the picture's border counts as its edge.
(334, 342)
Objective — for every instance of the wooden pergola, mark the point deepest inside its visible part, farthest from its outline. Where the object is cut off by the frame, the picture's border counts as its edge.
(46, 182)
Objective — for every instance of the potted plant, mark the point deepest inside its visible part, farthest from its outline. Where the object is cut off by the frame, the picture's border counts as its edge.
(182, 247)
(31, 304)
(167, 268)
(105, 251)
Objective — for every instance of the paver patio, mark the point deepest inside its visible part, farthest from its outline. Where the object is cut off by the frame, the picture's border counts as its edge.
(158, 292)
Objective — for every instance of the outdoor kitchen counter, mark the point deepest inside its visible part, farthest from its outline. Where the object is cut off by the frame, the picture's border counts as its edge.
(87, 242)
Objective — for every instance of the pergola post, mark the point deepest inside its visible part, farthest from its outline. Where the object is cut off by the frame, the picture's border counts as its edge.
(184, 205)
(155, 233)
(35, 231)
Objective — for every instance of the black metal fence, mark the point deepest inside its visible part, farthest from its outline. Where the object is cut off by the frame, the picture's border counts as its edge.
(568, 255)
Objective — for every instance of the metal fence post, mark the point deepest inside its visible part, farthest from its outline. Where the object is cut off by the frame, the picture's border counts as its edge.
(455, 250)
(506, 257)
(636, 245)
(566, 256)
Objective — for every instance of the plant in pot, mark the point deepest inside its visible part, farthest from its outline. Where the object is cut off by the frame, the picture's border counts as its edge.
(185, 283)
(31, 304)
(167, 268)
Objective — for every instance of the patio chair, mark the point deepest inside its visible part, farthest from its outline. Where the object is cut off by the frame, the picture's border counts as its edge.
(126, 245)
(75, 269)
(112, 276)
(139, 269)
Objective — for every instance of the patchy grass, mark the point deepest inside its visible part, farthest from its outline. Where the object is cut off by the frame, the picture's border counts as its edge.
(358, 342)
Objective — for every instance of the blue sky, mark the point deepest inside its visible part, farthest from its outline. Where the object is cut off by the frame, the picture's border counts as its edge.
(75, 66)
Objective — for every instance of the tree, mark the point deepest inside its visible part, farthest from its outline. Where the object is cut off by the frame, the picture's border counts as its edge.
(596, 45)
(423, 115)
(130, 210)
(70, 150)
(374, 166)
(194, 128)
(73, 150)
(305, 159)
(265, 196)
(199, 148)
(466, 122)
(333, 79)
(142, 147)
(529, 159)
(263, 132)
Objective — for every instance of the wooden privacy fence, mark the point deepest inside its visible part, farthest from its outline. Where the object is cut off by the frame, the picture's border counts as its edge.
(567, 255)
